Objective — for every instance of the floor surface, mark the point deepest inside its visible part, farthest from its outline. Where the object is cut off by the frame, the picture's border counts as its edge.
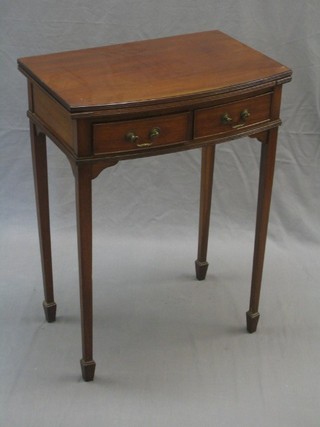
(170, 351)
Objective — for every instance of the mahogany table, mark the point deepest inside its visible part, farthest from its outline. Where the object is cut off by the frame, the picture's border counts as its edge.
(146, 98)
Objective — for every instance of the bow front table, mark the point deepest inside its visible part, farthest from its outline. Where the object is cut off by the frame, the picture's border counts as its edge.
(146, 98)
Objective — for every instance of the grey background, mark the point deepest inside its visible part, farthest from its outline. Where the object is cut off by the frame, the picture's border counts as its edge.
(170, 351)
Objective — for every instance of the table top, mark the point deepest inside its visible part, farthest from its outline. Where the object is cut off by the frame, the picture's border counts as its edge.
(151, 71)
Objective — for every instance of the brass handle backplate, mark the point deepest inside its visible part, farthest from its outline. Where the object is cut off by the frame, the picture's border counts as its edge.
(226, 119)
(244, 115)
(132, 137)
(153, 134)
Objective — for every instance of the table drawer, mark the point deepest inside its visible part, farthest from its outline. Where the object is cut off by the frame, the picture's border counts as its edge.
(140, 134)
(230, 117)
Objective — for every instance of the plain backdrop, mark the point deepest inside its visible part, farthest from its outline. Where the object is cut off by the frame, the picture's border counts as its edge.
(170, 351)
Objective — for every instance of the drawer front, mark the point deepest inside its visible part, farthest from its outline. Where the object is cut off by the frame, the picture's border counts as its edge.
(229, 118)
(139, 134)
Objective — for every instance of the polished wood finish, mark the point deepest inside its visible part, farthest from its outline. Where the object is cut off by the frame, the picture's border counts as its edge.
(146, 98)
(151, 71)
(111, 137)
(53, 115)
(208, 121)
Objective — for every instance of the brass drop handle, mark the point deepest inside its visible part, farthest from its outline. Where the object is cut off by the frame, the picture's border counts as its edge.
(227, 120)
(144, 144)
(132, 137)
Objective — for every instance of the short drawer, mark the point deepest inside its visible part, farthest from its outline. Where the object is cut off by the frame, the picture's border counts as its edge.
(231, 117)
(140, 134)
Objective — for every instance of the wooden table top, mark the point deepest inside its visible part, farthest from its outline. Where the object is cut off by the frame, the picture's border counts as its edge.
(151, 71)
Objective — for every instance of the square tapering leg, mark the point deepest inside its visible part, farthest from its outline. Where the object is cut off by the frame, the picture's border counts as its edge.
(39, 159)
(207, 167)
(84, 227)
(267, 163)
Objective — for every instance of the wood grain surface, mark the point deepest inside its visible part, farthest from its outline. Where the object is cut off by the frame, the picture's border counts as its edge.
(151, 71)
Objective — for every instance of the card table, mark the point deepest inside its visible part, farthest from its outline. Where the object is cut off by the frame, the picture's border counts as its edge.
(106, 104)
